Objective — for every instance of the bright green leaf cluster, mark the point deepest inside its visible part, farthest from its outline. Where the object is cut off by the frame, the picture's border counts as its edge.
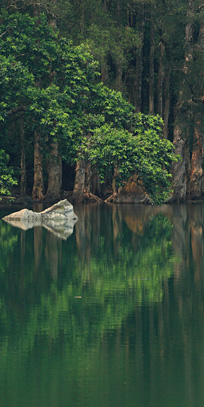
(121, 154)
(6, 174)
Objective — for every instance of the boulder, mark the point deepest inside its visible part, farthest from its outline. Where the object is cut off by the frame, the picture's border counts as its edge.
(58, 219)
(63, 210)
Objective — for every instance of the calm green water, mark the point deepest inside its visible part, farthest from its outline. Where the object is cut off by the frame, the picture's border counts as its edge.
(111, 317)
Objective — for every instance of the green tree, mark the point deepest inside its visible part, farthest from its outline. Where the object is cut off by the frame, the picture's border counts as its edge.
(59, 99)
(7, 179)
(55, 96)
(120, 154)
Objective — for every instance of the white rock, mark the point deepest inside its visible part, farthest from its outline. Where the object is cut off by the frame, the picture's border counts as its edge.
(58, 219)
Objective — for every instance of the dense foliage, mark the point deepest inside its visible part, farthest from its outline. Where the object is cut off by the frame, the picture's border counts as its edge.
(120, 154)
(7, 179)
(55, 107)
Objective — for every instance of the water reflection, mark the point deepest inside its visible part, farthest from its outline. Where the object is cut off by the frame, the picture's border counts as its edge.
(62, 228)
(106, 263)
(118, 306)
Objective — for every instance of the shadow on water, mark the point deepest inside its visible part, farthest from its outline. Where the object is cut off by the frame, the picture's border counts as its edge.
(118, 306)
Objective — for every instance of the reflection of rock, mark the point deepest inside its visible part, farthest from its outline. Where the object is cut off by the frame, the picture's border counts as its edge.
(58, 219)
(23, 224)
(63, 231)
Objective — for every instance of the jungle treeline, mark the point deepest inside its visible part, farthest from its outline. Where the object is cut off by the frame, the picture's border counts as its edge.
(97, 92)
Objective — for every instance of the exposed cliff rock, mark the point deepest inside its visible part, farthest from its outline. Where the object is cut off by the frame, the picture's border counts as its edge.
(132, 192)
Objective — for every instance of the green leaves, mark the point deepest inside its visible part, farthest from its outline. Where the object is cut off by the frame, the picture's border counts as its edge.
(120, 154)
(6, 175)
(57, 84)
(47, 75)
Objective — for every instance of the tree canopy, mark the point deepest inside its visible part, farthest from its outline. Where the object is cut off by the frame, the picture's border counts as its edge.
(55, 106)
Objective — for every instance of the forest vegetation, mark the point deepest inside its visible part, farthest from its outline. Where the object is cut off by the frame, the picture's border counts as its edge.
(96, 92)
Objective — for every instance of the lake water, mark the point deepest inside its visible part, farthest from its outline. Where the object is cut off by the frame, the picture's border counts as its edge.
(111, 317)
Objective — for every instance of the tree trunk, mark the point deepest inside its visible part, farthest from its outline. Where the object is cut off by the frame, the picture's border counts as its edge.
(82, 17)
(196, 177)
(151, 71)
(88, 177)
(38, 185)
(55, 161)
(166, 104)
(139, 61)
(160, 82)
(183, 116)
(119, 72)
(196, 164)
(83, 181)
(201, 43)
(23, 163)
(179, 167)
(79, 183)
(114, 182)
(54, 173)
(96, 189)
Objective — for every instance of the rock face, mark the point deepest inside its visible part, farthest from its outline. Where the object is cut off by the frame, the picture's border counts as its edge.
(58, 219)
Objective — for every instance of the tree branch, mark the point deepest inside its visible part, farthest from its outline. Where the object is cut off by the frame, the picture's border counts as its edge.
(3, 33)
(16, 110)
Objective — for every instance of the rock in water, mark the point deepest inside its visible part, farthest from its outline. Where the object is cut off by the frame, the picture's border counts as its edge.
(63, 210)
(58, 219)
(59, 211)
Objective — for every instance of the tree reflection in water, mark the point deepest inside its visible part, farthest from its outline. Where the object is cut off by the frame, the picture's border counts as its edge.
(132, 272)
(115, 260)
